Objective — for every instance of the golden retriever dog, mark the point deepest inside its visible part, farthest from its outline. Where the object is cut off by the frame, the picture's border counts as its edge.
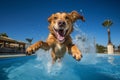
(59, 39)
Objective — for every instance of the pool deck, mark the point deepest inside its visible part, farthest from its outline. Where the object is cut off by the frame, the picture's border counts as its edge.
(13, 55)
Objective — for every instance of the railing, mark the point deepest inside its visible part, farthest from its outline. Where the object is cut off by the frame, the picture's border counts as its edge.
(5, 50)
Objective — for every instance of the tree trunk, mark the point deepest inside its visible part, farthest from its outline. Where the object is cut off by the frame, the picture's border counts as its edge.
(109, 39)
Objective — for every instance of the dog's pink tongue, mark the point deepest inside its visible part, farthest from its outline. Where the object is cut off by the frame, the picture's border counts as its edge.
(60, 37)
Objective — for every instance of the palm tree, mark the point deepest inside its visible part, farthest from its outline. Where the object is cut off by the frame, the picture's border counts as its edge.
(29, 40)
(3, 34)
(107, 24)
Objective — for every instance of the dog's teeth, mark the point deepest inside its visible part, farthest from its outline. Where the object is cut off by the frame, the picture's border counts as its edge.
(64, 32)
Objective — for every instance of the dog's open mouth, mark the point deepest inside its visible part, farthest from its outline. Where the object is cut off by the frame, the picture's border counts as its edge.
(60, 34)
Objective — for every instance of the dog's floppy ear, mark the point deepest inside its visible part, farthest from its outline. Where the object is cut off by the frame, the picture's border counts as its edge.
(50, 18)
(75, 15)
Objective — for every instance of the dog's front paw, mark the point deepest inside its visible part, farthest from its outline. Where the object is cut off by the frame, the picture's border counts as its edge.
(31, 49)
(77, 56)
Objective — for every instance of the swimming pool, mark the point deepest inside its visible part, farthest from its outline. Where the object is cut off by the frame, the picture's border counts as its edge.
(91, 67)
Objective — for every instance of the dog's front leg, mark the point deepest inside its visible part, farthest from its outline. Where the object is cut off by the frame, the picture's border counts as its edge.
(36, 46)
(75, 52)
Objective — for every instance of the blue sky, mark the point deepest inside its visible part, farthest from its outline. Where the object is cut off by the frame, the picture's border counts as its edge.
(22, 19)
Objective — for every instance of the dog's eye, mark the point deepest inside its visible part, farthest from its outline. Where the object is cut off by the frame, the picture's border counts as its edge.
(55, 18)
(66, 17)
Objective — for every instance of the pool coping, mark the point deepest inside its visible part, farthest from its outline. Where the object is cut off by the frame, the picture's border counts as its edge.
(13, 55)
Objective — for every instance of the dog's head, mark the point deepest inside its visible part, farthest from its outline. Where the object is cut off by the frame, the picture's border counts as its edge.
(61, 24)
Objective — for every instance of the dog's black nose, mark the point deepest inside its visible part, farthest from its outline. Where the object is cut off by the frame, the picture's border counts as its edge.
(61, 23)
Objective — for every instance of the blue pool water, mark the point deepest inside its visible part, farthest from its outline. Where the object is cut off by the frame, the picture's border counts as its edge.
(91, 67)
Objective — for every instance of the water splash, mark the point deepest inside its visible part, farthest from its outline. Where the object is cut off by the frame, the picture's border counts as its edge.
(46, 60)
(85, 43)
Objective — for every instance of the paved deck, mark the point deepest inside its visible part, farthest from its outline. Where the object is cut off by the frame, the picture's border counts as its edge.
(13, 55)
